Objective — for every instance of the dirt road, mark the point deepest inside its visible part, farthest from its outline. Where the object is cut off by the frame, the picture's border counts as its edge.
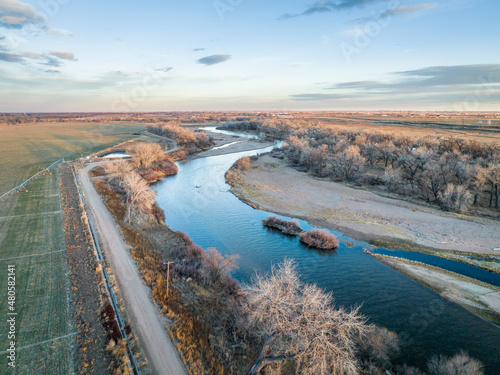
(146, 320)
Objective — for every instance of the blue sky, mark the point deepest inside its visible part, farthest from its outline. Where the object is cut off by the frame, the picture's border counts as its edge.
(75, 55)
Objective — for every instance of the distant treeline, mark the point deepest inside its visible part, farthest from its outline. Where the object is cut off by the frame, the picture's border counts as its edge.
(454, 173)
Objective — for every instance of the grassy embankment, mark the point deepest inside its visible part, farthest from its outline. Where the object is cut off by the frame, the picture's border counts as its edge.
(31, 238)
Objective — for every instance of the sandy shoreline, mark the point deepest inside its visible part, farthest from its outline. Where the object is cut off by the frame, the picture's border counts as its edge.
(229, 144)
(361, 214)
(479, 298)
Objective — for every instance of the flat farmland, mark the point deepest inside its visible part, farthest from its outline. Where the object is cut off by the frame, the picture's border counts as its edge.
(28, 148)
(32, 239)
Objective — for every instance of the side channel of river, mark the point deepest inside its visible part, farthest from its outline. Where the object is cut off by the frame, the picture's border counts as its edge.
(198, 202)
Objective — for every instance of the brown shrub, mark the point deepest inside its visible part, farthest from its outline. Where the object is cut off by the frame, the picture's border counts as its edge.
(319, 239)
(242, 163)
(291, 227)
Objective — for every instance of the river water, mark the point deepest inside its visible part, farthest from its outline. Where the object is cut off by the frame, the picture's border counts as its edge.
(198, 202)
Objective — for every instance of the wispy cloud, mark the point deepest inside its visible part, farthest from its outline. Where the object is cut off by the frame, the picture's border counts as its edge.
(396, 11)
(51, 58)
(63, 55)
(11, 57)
(327, 6)
(320, 97)
(435, 83)
(199, 49)
(430, 77)
(15, 14)
(164, 70)
(213, 59)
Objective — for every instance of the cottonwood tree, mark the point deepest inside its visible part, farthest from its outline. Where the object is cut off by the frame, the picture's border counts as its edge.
(348, 163)
(298, 323)
(139, 196)
(478, 182)
(117, 169)
(493, 178)
(217, 266)
(456, 197)
(460, 364)
(144, 154)
(412, 164)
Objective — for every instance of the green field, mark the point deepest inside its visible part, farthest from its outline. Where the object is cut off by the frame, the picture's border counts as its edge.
(28, 148)
(32, 239)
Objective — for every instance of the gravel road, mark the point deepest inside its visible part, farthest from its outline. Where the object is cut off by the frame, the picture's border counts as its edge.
(146, 320)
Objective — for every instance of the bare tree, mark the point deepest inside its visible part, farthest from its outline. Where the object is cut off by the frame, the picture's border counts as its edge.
(379, 346)
(460, 364)
(117, 169)
(456, 197)
(348, 163)
(144, 154)
(139, 196)
(299, 324)
(493, 177)
(218, 266)
(388, 153)
(478, 182)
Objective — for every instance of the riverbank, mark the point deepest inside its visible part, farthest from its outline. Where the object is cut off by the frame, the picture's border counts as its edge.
(229, 144)
(273, 186)
(480, 298)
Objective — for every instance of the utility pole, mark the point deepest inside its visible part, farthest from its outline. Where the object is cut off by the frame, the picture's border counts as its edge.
(168, 275)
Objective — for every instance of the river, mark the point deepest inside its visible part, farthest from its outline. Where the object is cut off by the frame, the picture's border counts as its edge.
(197, 201)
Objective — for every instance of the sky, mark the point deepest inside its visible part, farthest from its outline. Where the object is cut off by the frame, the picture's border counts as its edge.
(127, 56)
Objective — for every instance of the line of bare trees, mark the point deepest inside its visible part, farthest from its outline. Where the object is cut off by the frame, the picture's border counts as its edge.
(452, 172)
(139, 197)
(191, 140)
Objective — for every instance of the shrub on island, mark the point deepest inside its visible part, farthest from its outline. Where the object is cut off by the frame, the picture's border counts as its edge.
(291, 227)
(319, 239)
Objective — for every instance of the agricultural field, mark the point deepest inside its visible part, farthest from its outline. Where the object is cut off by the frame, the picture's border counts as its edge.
(28, 148)
(32, 239)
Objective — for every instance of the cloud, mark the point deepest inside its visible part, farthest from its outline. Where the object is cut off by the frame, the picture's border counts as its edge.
(412, 8)
(315, 96)
(52, 71)
(199, 49)
(396, 11)
(51, 58)
(430, 77)
(11, 57)
(15, 14)
(435, 84)
(327, 7)
(213, 60)
(60, 32)
(165, 70)
(63, 55)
